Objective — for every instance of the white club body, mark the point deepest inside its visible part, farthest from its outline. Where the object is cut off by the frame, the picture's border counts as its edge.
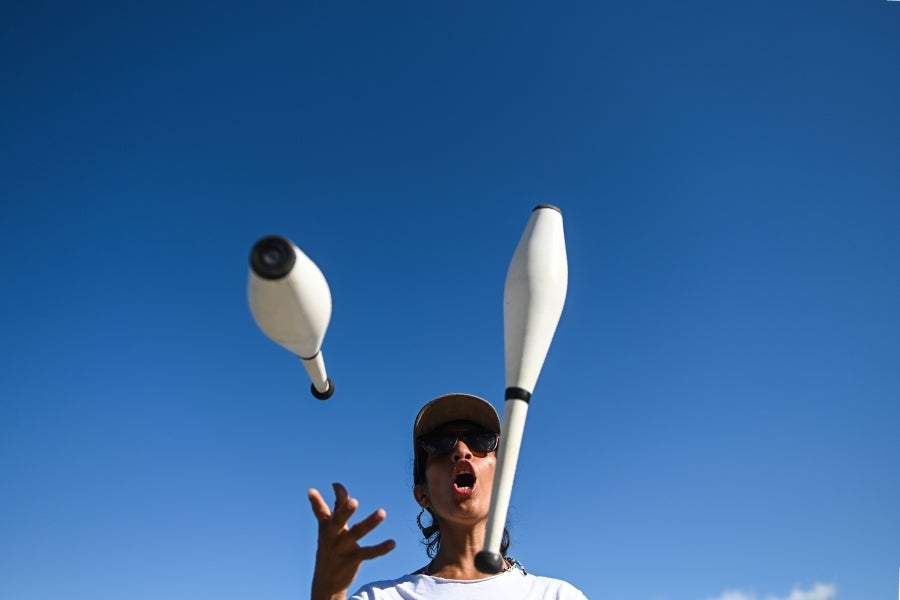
(533, 299)
(291, 303)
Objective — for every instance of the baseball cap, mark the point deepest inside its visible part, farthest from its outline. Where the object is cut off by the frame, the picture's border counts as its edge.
(456, 407)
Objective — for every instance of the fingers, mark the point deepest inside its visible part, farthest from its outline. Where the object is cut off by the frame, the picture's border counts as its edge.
(370, 552)
(368, 524)
(319, 506)
(344, 506)
(365, 527)
(340, 494)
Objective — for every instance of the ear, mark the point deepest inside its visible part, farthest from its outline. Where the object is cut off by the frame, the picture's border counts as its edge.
(421, 495)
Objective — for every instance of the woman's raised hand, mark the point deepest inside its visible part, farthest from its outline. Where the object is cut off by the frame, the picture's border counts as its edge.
(339, 555)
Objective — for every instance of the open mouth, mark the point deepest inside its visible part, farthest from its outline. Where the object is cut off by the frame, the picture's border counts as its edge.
(464, 481)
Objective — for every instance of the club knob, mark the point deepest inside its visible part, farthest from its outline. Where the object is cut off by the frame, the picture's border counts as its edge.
(489, 562)
(272, 257)
(323, 395)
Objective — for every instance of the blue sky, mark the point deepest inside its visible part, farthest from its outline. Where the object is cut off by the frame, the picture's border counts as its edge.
(718, 414)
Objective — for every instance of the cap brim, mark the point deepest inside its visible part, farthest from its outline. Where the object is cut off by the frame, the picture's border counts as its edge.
(456, 407)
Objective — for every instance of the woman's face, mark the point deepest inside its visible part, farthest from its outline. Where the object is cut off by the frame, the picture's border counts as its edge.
(458, 484)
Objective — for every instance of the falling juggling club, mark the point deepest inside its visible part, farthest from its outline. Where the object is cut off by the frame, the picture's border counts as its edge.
(291, 303)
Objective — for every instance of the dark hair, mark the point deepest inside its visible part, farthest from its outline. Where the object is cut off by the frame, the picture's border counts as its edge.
(432, 533)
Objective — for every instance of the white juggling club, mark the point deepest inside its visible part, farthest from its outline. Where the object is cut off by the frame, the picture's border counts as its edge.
(291, 303)
(533, 299)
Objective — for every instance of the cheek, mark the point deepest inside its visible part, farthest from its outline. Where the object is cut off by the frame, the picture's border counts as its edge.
(490, 464)
(431, 476)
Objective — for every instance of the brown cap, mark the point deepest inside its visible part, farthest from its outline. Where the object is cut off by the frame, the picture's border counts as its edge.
(456, 407)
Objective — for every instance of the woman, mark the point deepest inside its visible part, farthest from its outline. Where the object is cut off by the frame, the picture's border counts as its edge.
(455, 439)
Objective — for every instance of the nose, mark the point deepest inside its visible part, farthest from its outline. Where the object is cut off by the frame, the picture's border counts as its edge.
(461, 451)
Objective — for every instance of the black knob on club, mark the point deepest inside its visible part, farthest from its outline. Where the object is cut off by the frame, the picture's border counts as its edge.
(323, 395)
(489, 562)
(272, 257)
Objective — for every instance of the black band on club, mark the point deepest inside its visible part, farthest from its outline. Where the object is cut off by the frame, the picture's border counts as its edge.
(517, 393)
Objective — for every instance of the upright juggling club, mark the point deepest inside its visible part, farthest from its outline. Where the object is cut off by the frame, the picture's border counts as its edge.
(533, 299)
(291, 303)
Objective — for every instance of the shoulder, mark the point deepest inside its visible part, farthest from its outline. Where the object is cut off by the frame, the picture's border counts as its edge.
(391, 588)
(548, 587)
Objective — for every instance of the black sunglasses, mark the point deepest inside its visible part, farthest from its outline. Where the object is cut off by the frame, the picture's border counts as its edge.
(444, 443)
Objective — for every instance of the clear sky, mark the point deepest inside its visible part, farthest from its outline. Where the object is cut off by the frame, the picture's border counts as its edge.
(718, 415)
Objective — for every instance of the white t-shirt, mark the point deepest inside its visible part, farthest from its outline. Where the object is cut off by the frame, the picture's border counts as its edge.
(511, 584)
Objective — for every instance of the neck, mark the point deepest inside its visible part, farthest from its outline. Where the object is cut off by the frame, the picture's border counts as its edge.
(456, 557)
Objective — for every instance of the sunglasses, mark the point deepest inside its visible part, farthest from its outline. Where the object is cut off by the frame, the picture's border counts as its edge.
(444, 443)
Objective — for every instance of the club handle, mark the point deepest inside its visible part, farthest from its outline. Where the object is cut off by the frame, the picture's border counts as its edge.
(322, 387)
(515, 412)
